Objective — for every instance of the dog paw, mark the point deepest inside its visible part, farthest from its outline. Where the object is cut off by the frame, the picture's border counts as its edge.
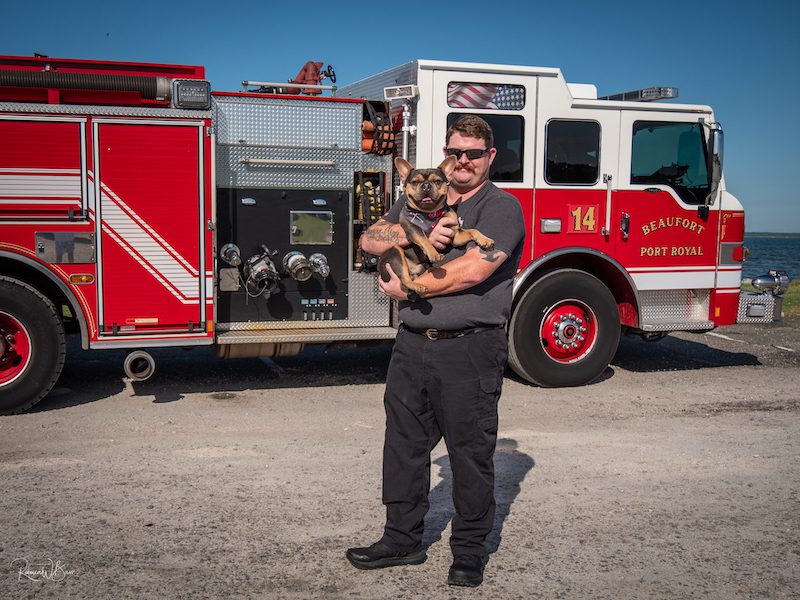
(419, 289)
(435, 257)
(485, 242)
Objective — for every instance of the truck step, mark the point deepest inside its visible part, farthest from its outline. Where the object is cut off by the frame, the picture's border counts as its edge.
(306, 336)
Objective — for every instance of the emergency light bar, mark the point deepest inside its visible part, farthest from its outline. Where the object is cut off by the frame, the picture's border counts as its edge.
(645, 94)
(400, 92)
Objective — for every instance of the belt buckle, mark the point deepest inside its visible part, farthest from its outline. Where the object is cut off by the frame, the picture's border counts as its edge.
(432, 334)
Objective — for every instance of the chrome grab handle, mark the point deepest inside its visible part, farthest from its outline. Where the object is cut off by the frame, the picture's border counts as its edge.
(606, 230)
(269, 162)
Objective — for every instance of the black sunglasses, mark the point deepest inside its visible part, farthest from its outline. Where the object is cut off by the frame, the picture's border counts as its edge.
(472, 153)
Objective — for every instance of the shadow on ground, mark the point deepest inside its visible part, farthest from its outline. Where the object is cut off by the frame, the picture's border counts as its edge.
(511, 467)
(675, 354)
(93, 375)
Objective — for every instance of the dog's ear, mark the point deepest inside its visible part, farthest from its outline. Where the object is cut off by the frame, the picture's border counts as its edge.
(448, 166)
(403, 167)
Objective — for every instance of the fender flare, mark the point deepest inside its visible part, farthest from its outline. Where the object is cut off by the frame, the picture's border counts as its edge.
(523, 276)
(73, 300)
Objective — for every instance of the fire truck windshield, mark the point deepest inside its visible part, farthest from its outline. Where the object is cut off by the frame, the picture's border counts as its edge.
(672, 154)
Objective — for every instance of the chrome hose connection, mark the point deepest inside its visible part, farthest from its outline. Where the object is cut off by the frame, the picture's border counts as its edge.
(776, 282)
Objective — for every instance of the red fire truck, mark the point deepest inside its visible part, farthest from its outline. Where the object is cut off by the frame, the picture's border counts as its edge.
(139, 209)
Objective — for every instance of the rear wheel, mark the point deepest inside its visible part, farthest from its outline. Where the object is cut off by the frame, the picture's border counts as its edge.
(564, 331)
(32, 346)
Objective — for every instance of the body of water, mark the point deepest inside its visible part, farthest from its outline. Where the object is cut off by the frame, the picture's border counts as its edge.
(772, 251)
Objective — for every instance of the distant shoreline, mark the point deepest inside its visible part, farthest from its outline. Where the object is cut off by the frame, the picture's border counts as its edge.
(771, 234)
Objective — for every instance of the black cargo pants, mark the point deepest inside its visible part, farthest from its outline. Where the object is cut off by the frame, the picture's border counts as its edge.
(442, 388)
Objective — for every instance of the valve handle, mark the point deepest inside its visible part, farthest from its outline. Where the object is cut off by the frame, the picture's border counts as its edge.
(329, 73)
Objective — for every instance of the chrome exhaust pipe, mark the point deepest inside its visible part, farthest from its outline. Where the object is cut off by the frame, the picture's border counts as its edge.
(139, 365)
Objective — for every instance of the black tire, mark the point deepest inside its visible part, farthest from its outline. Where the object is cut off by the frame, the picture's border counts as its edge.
(554, 310)
(33, 347)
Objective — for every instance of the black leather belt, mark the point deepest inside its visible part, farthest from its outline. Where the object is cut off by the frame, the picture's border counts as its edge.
(444, 334)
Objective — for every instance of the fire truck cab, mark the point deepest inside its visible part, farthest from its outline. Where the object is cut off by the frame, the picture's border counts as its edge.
(139, 210)
(630, 227)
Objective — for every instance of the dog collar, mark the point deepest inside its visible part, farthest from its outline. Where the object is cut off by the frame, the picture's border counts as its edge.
(423, 220)
(431, 216)
(435, 216)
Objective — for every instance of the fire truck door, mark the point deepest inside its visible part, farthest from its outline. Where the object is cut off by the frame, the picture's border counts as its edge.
(577, 160)
(661, 237)
(148, 189)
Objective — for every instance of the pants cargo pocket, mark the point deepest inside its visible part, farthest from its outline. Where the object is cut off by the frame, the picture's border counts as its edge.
(486, 410)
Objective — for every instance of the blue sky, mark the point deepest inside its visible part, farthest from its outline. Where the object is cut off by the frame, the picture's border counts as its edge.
(741, 58)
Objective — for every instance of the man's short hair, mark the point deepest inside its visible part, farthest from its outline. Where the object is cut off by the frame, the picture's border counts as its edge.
(472, 126)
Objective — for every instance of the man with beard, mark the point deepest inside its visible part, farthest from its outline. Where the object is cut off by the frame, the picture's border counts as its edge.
(446, 370)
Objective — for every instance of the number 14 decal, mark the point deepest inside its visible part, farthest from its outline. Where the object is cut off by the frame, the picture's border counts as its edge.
(582, 218)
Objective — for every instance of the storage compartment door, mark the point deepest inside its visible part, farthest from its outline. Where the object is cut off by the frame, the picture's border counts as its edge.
(42, 163)
(150, 205)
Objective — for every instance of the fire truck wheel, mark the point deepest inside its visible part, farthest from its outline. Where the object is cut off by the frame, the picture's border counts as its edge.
(564, 331)
(32, 346)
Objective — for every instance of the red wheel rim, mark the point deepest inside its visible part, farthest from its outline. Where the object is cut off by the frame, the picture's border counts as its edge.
(15, 348)
(568, 331)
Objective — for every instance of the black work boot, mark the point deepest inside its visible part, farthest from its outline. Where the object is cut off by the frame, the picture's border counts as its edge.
(466, 570)
(379, 555)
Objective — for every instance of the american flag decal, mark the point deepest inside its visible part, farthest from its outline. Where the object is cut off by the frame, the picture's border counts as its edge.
(486, 95)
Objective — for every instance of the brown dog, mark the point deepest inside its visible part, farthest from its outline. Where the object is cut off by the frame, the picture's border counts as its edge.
(426, 203)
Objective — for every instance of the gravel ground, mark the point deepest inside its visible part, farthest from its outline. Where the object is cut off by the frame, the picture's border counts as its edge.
(677, 475)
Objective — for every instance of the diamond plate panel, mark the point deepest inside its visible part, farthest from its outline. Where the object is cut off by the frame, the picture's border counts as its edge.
(683, 326)
(772, 307)
(373, 162)
(367, 303)
(678, 308)
(325, 140)
(233, 172)
(282, 122)
(368, 308)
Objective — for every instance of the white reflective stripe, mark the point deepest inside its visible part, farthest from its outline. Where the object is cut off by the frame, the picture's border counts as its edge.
(33, 186)
(149, 249)
(39, 201)
(729, 279)
(674, 268)
(150, 269)
(26, 170)
(142, 224)
(691, 280)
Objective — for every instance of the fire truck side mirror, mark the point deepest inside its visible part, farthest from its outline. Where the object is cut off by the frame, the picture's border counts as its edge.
(717, 142)
(716, 146)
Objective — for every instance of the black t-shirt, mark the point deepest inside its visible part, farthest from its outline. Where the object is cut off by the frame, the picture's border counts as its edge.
(496, 214)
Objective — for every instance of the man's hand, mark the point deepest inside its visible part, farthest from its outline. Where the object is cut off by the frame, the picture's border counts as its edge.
(442, 234)
(392, 287)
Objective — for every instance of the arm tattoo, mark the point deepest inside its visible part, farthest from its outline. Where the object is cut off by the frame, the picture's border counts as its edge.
(383, 232)
(490, 255)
